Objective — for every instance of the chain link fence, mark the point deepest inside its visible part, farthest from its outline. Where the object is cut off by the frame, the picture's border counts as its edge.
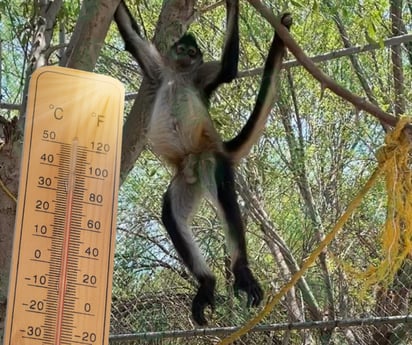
(314, 157)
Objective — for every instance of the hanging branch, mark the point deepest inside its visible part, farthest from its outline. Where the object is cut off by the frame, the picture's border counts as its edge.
(396, 56)
(325, 80)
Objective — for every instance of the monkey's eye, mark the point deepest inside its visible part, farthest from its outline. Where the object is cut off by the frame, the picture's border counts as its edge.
(192, 51)
(180, 49)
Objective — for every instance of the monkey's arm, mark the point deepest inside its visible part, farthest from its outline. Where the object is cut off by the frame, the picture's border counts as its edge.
(230, 56)
(146, 54)
(240, 146)
(227, 69)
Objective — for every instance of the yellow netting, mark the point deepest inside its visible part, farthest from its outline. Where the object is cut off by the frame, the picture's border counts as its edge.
(394, 162)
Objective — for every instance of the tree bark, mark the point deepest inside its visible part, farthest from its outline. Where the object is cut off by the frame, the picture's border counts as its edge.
(396, 55)
(89, 34)
(9, 175)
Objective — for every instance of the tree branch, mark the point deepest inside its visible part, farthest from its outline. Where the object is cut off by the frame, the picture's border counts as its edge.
(10, 106)
(89, 34)
(326, 81)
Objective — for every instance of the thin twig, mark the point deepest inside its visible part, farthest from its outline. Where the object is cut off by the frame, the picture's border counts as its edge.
(210, 7)
(7, 191)
(10, 106)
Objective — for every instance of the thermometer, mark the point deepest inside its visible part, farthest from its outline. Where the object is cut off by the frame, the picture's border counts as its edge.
(61, 275)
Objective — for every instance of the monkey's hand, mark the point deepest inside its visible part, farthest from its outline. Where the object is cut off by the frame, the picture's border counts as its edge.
(245, 281)
(287, 20)
(205, 297)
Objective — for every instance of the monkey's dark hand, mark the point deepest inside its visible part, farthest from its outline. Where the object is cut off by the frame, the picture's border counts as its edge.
(205, 297)
(245, 281)
(286, 20)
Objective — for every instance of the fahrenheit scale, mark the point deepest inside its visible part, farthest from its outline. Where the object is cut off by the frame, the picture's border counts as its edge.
(60, 282)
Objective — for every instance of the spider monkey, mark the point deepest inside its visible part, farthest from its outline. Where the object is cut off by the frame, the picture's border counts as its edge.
(182, 133)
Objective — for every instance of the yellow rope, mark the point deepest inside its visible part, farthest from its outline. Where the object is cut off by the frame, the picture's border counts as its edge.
(7, 191)
(386, 156)
(396, 236)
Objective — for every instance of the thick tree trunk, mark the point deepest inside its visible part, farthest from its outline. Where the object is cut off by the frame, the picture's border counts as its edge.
(89, 34)
(9, 175)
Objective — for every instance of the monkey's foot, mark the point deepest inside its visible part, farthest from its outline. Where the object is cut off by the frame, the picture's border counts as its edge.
(245, 281)
(205, 297)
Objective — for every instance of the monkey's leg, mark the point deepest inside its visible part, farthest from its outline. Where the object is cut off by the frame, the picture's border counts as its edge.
(179, 203)
(229, 208)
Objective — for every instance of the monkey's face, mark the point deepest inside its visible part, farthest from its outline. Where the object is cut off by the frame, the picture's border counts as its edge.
(185, 54)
